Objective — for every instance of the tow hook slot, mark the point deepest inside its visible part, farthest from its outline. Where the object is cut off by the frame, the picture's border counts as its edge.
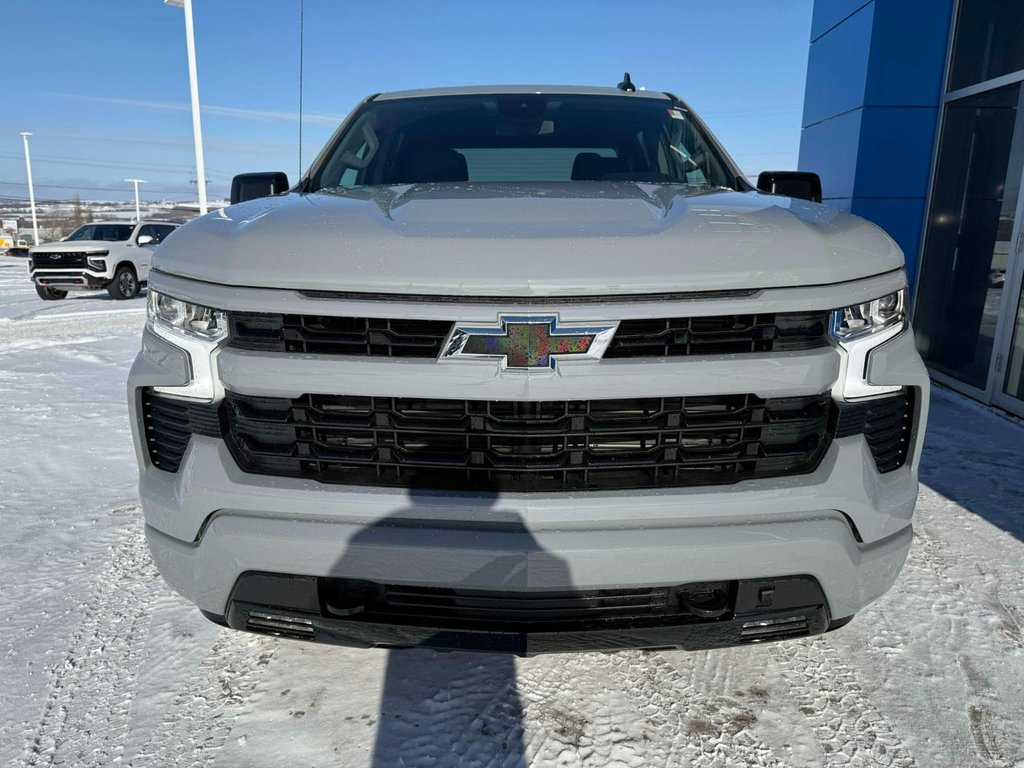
(347, 597)
(709, 600)
(344, 610)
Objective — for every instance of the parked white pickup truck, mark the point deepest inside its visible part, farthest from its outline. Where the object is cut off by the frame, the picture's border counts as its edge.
(103, 254)
(529, 369)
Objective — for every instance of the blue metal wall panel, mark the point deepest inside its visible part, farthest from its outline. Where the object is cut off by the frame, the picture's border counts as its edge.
(829, 148)
(894, 156)
(908, 52)
(830, 13)
(837, 68)
(874, 85)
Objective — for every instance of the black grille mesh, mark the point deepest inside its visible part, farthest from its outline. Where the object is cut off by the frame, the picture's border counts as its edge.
(170, 423)
(721, 335)
(885, 424)
(527, 446)
(362, 336)
(662, 337)
(61, 260)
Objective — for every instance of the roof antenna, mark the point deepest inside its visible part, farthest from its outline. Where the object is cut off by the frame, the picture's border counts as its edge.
(302, 13)
(626, 84)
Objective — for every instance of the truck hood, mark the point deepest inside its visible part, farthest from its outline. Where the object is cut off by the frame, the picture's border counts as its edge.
(541, 239)
(76, 246)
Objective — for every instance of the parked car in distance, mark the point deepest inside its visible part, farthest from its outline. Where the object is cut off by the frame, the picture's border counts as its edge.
(529, 369)
(19, 251)
(111, 255)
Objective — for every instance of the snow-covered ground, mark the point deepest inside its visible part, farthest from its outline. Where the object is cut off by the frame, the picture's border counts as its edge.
(101, 664)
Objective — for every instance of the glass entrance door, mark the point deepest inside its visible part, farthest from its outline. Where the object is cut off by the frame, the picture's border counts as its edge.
(970, 252)
(1009, 362)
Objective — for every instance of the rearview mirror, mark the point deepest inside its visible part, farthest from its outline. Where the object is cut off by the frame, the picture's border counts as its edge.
(799, 184)
(144, 239)
(251, 186)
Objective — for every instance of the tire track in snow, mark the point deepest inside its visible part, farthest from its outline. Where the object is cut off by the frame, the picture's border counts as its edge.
(574, 712)
(199, 720)
(88, 710)
(716, 726)
(930, 556)
(449, 709)
(847, 725)
(70, 327)
(987, 728)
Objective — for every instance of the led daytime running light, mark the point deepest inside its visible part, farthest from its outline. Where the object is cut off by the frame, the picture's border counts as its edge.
(870, 317)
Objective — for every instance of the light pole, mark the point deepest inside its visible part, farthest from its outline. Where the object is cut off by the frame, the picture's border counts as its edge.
(136, 182)
(31, 191)
(197, 131)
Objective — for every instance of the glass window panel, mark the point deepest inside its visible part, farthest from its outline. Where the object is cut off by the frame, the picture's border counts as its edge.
(988, 41)
(1013, 385)
(970, 227)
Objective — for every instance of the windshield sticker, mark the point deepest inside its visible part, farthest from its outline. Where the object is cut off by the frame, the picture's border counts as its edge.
(677, 114)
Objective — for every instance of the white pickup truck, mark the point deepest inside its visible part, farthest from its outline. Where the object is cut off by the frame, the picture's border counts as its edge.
(103, 254)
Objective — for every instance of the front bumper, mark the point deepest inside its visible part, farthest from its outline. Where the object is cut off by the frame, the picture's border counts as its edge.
(688, 616)
(70, 279)
(844, 525)
(516, 555)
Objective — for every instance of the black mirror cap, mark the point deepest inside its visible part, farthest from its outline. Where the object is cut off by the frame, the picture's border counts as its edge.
(800, 184)
(251, 186)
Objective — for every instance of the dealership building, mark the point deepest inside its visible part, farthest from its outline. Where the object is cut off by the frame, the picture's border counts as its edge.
(914, 118)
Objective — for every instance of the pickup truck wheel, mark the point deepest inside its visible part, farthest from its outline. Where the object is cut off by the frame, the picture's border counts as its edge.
(50, 294)
(125, 284)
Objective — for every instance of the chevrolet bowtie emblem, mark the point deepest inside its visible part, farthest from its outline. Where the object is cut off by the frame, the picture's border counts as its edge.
(528, 342)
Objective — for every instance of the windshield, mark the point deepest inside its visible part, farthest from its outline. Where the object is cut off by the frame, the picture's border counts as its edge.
(523, 137)
(110, 232)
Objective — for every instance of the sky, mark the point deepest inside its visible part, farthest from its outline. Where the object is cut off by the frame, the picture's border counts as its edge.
(103, 86)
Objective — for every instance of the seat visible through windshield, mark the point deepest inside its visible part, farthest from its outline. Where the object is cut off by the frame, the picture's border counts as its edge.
(523, 138)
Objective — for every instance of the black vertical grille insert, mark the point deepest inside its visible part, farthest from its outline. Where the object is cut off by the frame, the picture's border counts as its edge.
(886, 425)
(169, 425)
(326, 335)
(44, 260)
(528, 446)
(660, 337)
(720, 335)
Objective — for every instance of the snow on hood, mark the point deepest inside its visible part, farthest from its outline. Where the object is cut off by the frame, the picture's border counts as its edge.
(534, 239)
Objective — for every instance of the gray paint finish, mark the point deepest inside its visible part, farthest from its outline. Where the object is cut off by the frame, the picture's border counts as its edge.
(597, 252)
(540, 239)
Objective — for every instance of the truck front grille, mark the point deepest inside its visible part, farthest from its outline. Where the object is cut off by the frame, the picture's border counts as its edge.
(507, 610)
(325, 335)
(61, 260)
(528, 446)
(721, 335)
(660, 337)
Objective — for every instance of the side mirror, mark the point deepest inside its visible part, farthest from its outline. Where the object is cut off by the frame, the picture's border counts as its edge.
(799, 184)
(144, 239)
(251, 186)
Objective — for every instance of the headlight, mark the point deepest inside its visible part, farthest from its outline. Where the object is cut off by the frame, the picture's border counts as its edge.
(182, 317)
(858, 331)
(100, 265)
(197, 330)
(871, 317)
